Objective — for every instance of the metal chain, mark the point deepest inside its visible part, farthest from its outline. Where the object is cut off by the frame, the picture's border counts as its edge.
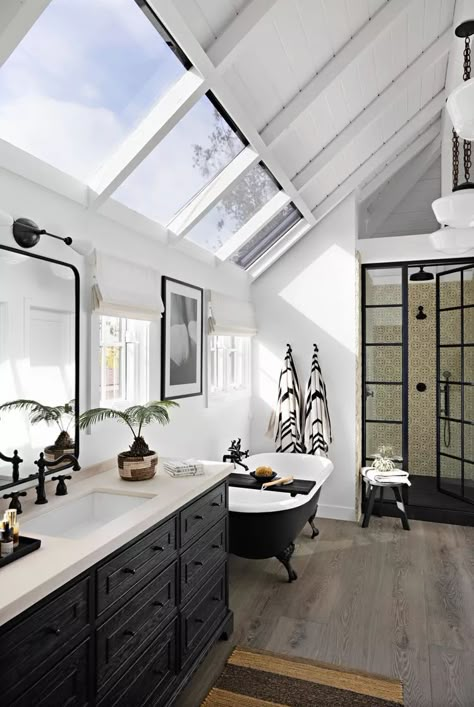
(455, 159)
(467, 159)
(467, 59)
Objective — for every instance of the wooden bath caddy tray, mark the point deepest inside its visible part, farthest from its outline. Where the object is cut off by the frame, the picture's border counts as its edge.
(245, 481)
(26, 546)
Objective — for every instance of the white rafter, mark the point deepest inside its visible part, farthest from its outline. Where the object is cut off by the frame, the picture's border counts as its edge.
(16, 20)
(253, 225)
(302, 100)
(213, 192)
(402, 183)
(375, 183)
(153, 128)
(374, 110)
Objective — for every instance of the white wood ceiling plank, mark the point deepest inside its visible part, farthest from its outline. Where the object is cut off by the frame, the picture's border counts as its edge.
(195, 18)
(316, 32)
(337, 106)
(415, 19)
(352, 90)
(374, 6)
(218, 13)
(367, 76)
(292, 35)
(427, 85)
(383, 61)
(431, 28)
(338, 26)
(357, 14)
(399, 44)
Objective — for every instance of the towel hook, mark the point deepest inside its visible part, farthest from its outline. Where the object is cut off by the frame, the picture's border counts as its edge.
(315, 347)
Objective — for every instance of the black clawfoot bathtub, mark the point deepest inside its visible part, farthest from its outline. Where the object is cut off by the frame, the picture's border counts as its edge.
(266, 523)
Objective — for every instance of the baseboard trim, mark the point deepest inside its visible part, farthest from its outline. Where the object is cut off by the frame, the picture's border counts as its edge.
(336, 512)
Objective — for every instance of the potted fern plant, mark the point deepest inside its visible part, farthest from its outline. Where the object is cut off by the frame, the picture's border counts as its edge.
(62, 416)
(139, 462)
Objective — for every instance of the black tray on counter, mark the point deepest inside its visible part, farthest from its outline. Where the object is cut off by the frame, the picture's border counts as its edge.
(245, 481)
(26, 546)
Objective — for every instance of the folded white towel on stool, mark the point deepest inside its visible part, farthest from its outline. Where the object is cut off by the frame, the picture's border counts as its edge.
(398, 476)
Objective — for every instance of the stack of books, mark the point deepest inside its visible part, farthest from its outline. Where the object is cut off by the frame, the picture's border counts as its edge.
(183, 467)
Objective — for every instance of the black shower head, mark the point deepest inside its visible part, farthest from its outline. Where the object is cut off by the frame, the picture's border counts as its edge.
(421, 276)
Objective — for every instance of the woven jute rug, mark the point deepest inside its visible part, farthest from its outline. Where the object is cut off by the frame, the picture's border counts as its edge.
(257, 679)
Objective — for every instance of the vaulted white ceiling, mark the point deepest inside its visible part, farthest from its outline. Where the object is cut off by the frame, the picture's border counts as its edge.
(332, 95)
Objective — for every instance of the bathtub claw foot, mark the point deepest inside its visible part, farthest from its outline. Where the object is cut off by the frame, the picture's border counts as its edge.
(285, 559)
(315, 532)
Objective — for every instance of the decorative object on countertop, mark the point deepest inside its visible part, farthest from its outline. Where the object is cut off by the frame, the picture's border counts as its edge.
(15, 503)
(261, 479)
(6, 540)
(10, 517)
(285, 420)
(264, 471)
(67, 461)
(61, 415)
(25, 546)
(236, 454)
(186, 467)
(181, 339)
(317, 422)
(15, 462)
(421, 314)
(383, 461)
(139, 462)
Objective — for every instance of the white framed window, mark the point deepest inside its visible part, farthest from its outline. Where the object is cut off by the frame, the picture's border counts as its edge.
(229, 364)
(123, 361)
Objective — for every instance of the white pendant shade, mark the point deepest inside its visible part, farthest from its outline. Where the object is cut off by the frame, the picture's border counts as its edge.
(453, 241)
(456, 209)
(460, 107)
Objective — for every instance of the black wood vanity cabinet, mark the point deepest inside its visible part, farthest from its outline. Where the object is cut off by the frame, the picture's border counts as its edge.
(130, 631)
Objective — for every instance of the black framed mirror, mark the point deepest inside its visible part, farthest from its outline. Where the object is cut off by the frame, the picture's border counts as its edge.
(39, 361)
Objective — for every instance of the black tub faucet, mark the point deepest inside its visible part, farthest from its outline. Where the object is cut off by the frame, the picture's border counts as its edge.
(236, 454)
(42, 464)
(15, 462)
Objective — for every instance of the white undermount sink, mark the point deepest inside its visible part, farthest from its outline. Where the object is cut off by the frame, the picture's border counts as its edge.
(82, 516)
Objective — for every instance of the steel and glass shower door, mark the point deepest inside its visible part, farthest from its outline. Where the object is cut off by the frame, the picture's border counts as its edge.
(455, 376)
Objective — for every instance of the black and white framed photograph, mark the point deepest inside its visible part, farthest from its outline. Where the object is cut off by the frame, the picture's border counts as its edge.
(181, 340)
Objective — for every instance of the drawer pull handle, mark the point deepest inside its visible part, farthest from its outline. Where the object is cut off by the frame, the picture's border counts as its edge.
(158, 603)
(216, 546)
(129, 570)
(53, 630)
(199, 563)
(129, 632)
(216, 598)
(198, 517)
(215, 503)
(199, 621)
(157, 548)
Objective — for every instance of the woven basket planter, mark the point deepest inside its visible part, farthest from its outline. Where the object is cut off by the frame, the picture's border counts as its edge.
(137, 468)
(51, 453)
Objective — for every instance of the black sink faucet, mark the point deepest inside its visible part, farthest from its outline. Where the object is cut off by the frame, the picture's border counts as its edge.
(236, 454)
(42, 464)
(15, 462)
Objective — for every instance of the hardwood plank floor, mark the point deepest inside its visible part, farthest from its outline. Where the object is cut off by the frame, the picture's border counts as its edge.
(379, 599)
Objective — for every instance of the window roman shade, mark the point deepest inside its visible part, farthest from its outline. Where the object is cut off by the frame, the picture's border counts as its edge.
(124, 289)
(228, 316)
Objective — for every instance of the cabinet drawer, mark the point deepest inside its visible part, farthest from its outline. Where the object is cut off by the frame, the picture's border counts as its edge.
(32, 644)
(196, 518)
(65, 685)
(200, 618)
(151, 675)
(128, 630)
(130, 566)
(202, 557)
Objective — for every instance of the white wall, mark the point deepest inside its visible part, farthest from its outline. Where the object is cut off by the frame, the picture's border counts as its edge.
(309, 296)
(195, 430)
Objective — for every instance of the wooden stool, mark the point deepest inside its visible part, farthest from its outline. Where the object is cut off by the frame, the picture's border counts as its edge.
(372, 492)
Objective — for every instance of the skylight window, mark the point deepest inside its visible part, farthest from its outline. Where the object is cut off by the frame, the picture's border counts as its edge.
(270, 234)
(242, 202)
(80, 81)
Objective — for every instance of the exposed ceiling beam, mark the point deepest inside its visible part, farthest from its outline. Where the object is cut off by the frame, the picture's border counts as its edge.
(302, 100)
(373, 185)
(253, 225)
(385, 154)
(16, 20)
(174, 22)
(203, 202)
(233, 38)
(153, 128)
(402, 183)
(374, 110)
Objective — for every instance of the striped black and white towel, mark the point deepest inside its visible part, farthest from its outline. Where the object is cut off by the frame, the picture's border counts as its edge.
(286, 420)
(317, 422)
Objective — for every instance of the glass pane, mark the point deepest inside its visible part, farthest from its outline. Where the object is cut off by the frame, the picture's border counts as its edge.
(112, 365)
(383, 325)
(450, 326)
(450, 437)
(235, 209)
(468, 313)
(379, 434)
(450, 399)
(383, 286)
(469, 403)
(384, 402)
(262, 241)
(469, 442)
(384, 363)
(83, 77)
(200, 145)
(469, 364)
(450, 362)
(450, 290)
(468, 286)
(469, 480)
(450, 474)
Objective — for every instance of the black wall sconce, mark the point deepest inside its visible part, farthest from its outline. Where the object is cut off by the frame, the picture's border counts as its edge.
(27, 234)
(421, 314)
(421, 387)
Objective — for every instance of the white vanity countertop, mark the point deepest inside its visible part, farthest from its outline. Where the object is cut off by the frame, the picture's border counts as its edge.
(31, 578)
